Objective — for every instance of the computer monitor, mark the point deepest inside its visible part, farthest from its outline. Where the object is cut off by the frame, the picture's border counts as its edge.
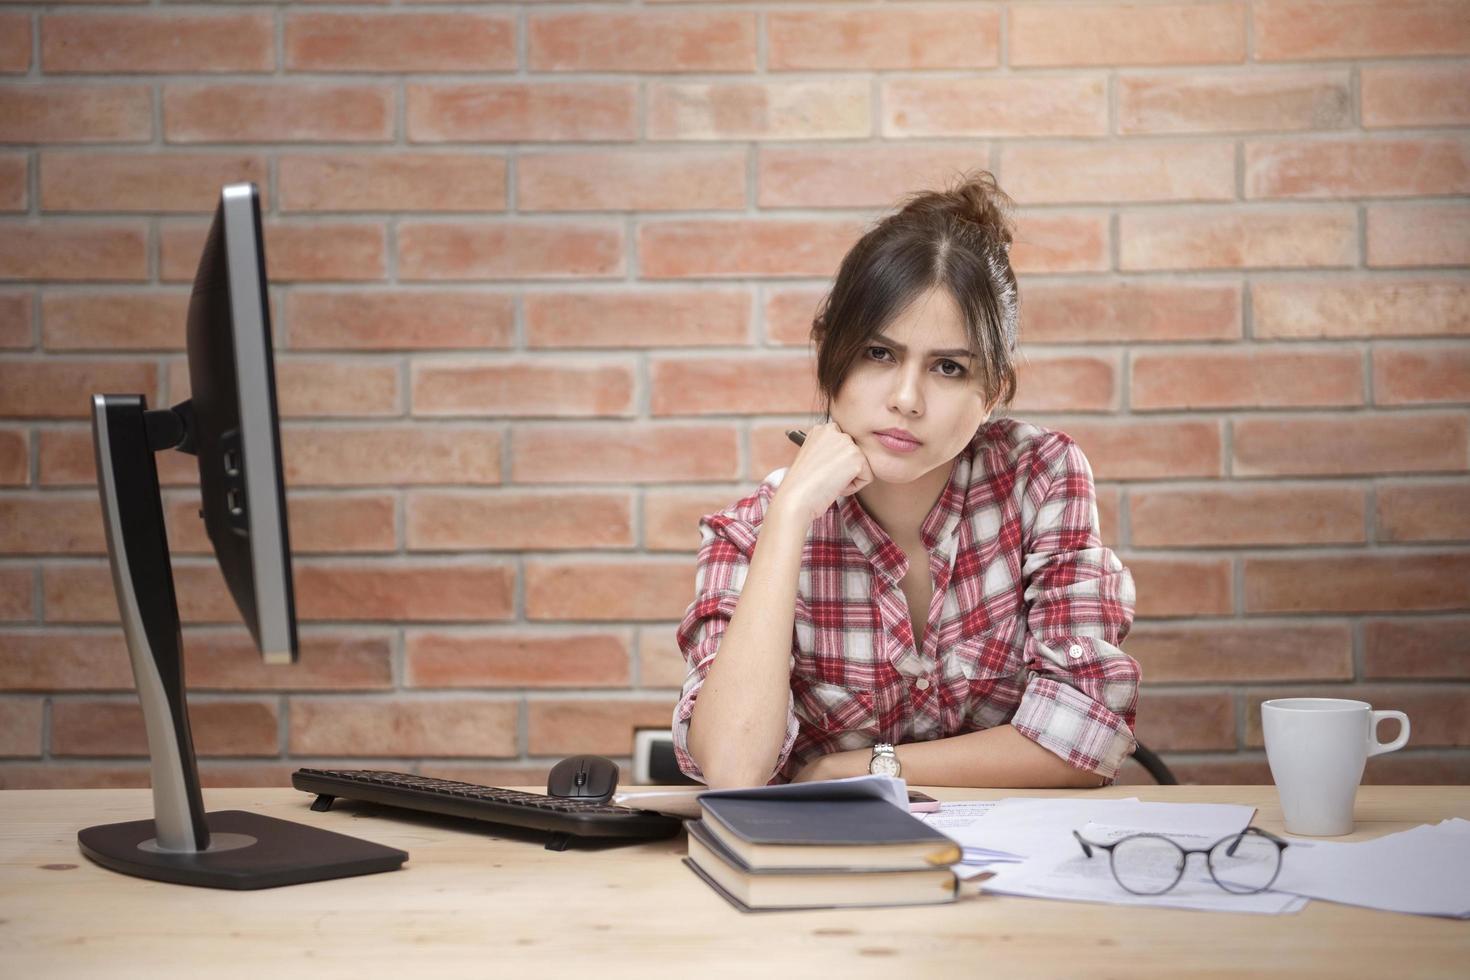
(230, 423)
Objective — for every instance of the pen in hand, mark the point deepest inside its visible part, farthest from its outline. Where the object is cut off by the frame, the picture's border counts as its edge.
(796, 436)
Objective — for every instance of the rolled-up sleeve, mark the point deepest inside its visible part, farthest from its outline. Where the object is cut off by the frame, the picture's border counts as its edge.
(724, 562)
(1081, 696)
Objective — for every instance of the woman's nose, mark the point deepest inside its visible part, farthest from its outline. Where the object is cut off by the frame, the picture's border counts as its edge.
(908, 393)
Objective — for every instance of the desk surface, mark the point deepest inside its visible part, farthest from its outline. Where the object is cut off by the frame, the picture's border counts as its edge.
(471, 902)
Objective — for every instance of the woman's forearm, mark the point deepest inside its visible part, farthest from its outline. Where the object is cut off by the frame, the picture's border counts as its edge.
(739, 719)
(998, 757)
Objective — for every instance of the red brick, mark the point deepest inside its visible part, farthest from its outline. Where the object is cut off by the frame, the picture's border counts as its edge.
(271, 112)
(1138, 311)
(789, 312)
(524, 387)
(51, 524)
(660, 664)
(67, 458)
(1150, 450)
(733, 384)
(1246, 378)
(1351, 444)
(20, 719)
(1109, 506)
(1186, 722)
(433, 727)
(1302, 30)
(1235, 102)
(1015, 105)
(639, 589)
(115, 728)
(16, 332)
(400, 42)
(320, 388)
(759, 110)
(919, 36)
(1369, 582)
(65, 660)
(62, 388)
(593, 452)
(1437, 714)
(631, 180)
(380, 455)
(399, 319)
(392, 182)
(1065, 383)
(530, 776)
(744, 247)
(516, 112)
(1418, 235)
(1243, 516)
(15, 457)
(859, 176)
(150, 43)
(1417, 94)
(1111, 34)
(508, 250)
(1418, 769)
(1356, 168)
(244, 775)
(14, 188)
(515, 659)
(1229, 653)
(17, 595)
(73, 113)
(671, 517)
(1174, 587)
(1423, 511)
(331, 660)
(604, 726)
(695, 317)
(1041, 173)
(1240, 769)
(1303, 308)
(1237, 238)
(1417, 649)
(82, 592)
(541, 520)
(319, 523)
(15, 43)
(642, 41)
(1053, 242)
(394, 591)
(314, 252)
(769, 451)
(114, 320)
(49, 775)
(74, 251)
(1421, 375)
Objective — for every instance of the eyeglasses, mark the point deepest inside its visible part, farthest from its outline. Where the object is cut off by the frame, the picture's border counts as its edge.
(1151, 864)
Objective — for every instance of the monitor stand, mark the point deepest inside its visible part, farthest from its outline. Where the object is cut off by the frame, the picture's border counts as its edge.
(183, 844)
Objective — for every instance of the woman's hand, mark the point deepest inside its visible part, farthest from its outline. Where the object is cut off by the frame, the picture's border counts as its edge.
(829, 465)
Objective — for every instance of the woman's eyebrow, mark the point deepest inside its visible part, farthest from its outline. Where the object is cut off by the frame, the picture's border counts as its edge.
(948, 352)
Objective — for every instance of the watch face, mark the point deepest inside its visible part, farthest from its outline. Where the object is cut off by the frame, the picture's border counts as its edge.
(884, 765)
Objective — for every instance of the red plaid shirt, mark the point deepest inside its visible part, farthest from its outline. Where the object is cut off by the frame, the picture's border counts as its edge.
(1023, 628)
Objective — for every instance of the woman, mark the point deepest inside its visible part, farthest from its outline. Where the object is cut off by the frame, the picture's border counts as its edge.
(923, 592)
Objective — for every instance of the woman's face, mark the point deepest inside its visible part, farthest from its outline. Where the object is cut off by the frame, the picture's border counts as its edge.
(912, 400)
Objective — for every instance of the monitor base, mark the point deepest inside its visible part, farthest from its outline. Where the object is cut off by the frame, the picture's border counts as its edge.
(247, 850)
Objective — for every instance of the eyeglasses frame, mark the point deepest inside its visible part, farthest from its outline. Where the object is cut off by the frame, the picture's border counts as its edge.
(1281, 847)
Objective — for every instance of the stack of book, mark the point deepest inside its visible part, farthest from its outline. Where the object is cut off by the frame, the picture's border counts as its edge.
(766, 852)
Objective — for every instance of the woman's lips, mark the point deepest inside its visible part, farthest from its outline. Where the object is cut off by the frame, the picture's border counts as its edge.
(896, 444)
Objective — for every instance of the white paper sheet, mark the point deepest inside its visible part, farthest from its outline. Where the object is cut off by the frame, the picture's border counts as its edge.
(1425, 871)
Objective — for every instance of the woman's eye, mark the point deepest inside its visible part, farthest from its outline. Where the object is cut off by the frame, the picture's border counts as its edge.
(958, 372)
(877, 353)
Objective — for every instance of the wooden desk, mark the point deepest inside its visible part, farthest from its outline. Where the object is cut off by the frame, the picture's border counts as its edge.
(472, 903)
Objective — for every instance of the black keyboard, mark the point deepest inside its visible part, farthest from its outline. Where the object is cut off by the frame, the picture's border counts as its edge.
(562, 817)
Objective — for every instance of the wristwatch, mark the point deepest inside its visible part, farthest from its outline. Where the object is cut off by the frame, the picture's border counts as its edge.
(884, 761)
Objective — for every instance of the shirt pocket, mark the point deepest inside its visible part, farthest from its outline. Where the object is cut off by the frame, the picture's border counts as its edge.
(835, 709)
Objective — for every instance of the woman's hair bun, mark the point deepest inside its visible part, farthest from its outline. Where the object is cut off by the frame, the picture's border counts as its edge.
(974, 199)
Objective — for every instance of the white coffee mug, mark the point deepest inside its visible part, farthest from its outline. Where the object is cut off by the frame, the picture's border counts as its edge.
(1317, 748)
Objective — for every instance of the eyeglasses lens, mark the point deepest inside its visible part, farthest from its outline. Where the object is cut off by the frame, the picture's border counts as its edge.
(1243, 864)
(1147, 865)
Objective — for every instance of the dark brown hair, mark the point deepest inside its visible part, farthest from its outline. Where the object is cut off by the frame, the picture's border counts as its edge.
(959, 238)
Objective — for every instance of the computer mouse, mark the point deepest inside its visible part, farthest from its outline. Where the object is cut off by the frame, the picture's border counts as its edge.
(583, 777)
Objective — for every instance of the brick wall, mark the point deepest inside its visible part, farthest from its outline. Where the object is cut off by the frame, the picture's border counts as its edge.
(542, 276)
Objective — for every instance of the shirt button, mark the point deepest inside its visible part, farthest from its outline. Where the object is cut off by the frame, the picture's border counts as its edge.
(1074, 651)
(922, 683)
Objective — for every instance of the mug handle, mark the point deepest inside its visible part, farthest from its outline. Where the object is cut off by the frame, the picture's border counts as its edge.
(1376, 747)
